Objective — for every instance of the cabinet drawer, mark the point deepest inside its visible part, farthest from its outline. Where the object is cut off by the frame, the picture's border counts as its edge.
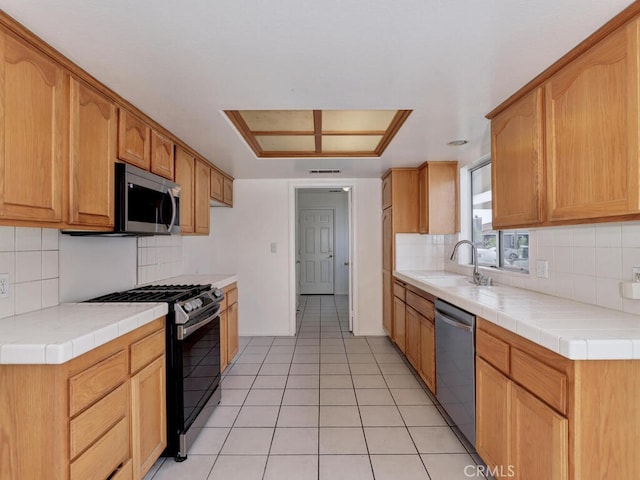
(545, 382)
(493, 350)
(232, 296)
(422, 305)
(399, 291)
(143, 352)
(105, 456)
(125, 472)
(96, 420)
(92, 384)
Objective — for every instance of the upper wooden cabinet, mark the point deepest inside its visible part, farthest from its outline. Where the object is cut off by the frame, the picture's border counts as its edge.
(400, 190)
(228, 191)
(134, 140)
(33, 127)
(592, 110)
(162, 155)
(217, 185)
(92, 155)
(202, 185)
(565, 147)
(185, 177)
(60, 135)
(517, 157)
(438, 198)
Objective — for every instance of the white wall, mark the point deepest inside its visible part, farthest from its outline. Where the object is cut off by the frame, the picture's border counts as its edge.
(263, 213)
(241, 245)
(307, 198)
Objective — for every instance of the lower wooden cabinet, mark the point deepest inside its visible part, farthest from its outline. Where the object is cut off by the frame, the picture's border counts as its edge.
(399, 324)
(539, 438)
(148, 416)
(224, 328)
(427, 369)
(93, 417)
(414, 330)
(542, 415)
(229, 340)
(412, 341)
(493, 414)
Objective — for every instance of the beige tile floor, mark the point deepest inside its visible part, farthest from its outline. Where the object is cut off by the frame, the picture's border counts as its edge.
(324, 405)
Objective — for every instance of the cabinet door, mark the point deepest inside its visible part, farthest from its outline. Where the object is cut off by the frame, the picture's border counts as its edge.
(162, 155)
(386, 192)
(387, 304)
(217, 185)
(232, 331)
(134, 140)
(412, 342)
(493, 414)
(517, 163)
(33, 126)
(427, 368)
(399, 324)
(92, 151)
(185, 177)
(539, 438)
(224, 343)
(228, 191)
(201, 199)
(591, 112)
(387, 240)
(438, 198)
(148, 416)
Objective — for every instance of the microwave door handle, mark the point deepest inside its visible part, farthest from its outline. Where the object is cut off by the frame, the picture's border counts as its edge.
(173, 211)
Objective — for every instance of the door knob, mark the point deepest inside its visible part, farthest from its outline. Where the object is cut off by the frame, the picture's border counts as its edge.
(330, 256)
(346, 264)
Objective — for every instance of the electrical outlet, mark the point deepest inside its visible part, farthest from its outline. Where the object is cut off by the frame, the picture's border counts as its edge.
(542, 268)
(4, 285)
(635, 277)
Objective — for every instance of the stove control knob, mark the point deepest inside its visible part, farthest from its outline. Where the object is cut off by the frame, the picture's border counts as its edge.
(199, 302)
(188, 306)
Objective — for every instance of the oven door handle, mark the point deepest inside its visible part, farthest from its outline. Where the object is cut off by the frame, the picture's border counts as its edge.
(184, 332)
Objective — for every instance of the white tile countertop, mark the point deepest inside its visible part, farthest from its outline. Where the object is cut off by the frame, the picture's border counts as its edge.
(56, 335)
(578, 331)
(216, 280)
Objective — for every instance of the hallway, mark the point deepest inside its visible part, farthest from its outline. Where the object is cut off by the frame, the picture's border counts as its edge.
(324, 405)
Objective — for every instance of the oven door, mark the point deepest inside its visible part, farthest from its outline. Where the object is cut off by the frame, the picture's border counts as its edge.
(196, 372)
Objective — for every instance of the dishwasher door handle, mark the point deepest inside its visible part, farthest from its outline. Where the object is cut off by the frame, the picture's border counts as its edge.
(453, 322)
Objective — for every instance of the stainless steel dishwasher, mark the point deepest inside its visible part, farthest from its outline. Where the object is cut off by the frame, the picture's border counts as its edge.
(455, 366)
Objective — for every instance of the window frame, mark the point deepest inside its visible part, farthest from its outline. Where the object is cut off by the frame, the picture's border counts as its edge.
(500, 263)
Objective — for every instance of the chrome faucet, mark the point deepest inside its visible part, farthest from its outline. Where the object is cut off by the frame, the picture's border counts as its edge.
(478, 278)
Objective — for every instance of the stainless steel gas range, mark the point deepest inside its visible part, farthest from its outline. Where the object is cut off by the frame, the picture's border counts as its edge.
(193, 355)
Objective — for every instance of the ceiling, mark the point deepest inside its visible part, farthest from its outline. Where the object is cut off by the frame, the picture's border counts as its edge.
(185, 62)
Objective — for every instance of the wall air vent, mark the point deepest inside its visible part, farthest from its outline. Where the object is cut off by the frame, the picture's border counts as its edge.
(321, 171)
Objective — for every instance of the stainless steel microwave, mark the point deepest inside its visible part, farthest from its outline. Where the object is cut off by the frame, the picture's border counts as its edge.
(145, 203)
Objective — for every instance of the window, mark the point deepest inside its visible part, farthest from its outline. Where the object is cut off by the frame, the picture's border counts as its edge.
(508, 249)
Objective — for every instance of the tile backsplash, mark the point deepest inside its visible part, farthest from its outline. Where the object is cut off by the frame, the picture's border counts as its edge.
(159, 257)
(586, 263)
(30, 257)
(422, 252)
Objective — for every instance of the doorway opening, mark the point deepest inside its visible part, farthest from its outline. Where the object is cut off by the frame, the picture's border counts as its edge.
(323, 253)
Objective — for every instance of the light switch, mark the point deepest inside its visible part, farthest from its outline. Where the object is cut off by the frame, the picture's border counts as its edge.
(274, 247)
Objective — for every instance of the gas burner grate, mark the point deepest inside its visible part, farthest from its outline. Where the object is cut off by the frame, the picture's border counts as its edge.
(154, 293)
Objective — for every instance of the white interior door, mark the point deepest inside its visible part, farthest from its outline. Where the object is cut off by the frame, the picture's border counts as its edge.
(316, 251)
